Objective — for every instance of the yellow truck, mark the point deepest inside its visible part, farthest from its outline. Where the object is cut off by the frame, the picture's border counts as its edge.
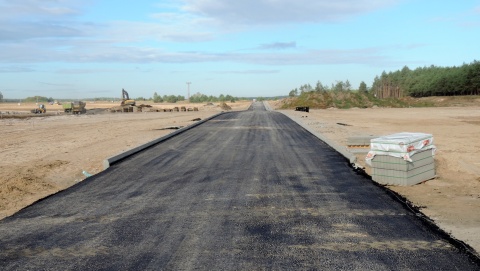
(75, 107)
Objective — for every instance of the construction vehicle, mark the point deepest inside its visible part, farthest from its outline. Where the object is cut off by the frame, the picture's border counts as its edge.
(126, 99)
(75, 107)
(39, 110)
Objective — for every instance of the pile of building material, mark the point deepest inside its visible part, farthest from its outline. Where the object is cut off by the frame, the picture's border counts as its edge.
(402, 159)
(125, 109)
(359, 141)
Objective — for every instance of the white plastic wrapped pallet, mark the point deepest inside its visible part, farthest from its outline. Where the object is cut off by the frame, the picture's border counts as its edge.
(401, 145)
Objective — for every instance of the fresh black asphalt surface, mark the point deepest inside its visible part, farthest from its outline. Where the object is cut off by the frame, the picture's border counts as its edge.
(247, 190)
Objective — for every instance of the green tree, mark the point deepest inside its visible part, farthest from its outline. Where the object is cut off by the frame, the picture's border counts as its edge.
(362, 87)
(305, 88)
(198, 98)
(35, 99)
(170, 98)
(230, 98)
(347, 85)
(157, 98)
(320, 87)
(339, 86)
(429, 81)
(1, 97)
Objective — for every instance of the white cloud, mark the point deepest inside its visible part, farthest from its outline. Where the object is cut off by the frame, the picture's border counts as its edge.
(127, 31)
(365, 56)
(60, 40)
(55, 84)
(29, 30)
(467, 19)
(34, 9)
(248, 72)
(108, 53)
(31, 19)
(89, 71)
(278, 46)
(15, 69)
(252, 12)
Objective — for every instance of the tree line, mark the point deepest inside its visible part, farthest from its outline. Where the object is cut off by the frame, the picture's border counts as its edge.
(420, 82)
(195, 98)
(202, 98)
(167, 98)
(39, 99)
(338, 86)
(429, 81)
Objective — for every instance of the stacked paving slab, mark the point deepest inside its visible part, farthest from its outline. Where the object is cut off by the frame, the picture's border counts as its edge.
(359, 141)
(402, 159)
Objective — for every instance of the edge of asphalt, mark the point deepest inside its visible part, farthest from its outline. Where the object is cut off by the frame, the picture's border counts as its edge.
(343, 151)
(116, 158)
(461, 245)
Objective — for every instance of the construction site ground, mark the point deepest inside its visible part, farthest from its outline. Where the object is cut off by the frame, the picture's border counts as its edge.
(42, 155)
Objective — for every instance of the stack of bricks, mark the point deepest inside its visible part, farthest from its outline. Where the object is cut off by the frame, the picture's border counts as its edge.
(402, 159)
(391, 170)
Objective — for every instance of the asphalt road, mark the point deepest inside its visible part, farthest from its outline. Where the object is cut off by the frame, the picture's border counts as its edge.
(245, 191)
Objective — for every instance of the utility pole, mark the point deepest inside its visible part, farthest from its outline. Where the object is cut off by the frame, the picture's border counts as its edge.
(188, 89)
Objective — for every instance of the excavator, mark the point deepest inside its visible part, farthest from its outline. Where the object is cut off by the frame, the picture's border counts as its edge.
(126, 99)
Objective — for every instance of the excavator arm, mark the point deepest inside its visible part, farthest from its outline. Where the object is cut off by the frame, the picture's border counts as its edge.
(126, 99)
(125, 94)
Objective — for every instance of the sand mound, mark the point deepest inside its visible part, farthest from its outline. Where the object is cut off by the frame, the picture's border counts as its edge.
(224, 106)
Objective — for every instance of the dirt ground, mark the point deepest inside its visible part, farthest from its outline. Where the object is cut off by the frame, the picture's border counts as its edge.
(42, 155)
(452, 199)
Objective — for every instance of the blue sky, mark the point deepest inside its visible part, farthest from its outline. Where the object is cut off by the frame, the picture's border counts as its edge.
(249, 48)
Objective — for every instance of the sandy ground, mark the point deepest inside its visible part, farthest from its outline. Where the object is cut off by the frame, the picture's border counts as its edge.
(42, 155)
(452, 199)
